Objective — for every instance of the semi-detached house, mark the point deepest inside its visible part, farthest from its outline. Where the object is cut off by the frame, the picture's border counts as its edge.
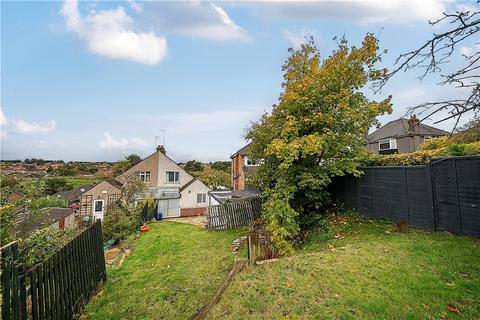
(177, 192)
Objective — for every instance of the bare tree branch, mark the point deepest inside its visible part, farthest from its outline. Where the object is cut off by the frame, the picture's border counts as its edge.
(436, 52)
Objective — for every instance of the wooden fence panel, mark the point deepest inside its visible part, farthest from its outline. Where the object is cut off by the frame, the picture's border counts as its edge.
(57, 287)
(234, 214)
(442, 195)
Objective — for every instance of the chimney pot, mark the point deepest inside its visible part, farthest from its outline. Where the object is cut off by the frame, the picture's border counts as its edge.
(413, 124)
(161, 148)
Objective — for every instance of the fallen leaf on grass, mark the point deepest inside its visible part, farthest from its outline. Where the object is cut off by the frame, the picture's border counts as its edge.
(452, 308)
(387, 232)
(331, 247)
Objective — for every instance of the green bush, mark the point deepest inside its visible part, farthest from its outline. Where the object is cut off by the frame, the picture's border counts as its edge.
(118, 225)
(7, 223)
(41, 244)
(460, 149)
(48, 202)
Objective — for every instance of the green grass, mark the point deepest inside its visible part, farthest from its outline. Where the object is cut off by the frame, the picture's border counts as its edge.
(367, 270)
(172, 272)
(77, 182)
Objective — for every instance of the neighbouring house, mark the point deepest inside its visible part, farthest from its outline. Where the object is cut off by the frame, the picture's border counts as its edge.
(402, 136)
(176, 191)
(73, 196)
(99, 199)
(57, 218)
(242, 166)
(222, 196)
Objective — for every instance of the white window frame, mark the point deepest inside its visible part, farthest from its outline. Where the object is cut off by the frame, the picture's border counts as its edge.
(176, 177)
(95, 205)
(203, 198)
(392, 144)
(143, 175)
(246, 159)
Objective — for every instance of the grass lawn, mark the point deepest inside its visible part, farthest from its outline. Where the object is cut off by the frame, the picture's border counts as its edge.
(77, 182)
(365, 270)
(172, 272)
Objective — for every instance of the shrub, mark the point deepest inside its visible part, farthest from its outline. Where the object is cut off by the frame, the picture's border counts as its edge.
(118, 225)
(460, 149)
(41, 244)
(54, 185)
(436, 143)
(7, 223)
(48, 202)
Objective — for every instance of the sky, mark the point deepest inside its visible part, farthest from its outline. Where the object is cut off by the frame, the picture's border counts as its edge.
(98, 80)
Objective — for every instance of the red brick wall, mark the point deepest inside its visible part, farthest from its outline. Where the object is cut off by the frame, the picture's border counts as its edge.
(238, 177)
(192, 212)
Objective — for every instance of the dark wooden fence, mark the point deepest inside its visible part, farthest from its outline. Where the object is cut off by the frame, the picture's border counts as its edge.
(58, 287)
(442, 195)
(234, 214)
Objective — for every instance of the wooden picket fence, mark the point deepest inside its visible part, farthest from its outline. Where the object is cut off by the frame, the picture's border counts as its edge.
(234, 214)
(58, 287)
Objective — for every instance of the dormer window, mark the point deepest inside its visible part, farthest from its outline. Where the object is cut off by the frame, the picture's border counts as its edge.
(387, 144)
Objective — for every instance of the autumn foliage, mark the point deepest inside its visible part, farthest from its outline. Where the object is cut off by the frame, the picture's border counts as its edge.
(315, 132)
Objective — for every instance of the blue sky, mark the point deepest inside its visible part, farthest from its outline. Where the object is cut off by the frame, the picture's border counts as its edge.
(99, 80)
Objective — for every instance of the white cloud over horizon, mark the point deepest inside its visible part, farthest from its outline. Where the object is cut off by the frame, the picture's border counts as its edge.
(109, 142)
(29, 128)
(111, 33)
(356, 11)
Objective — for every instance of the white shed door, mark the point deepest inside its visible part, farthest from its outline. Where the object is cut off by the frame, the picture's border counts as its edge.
(169, 207)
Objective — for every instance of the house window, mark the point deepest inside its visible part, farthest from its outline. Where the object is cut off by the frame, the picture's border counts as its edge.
(173, 176)
(250, 162)
(201, 198)
(387, 144)
(427, 138)
(144, 176)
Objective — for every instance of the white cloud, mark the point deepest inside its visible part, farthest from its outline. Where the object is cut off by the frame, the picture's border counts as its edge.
(29, 128)
(111, 33)
(3, 119)
(193, 19)
(357, 11)
(296, 39)
(469, 51)
(109, 142)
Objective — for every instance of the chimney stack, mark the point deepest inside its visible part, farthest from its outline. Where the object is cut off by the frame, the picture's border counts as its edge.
(161, 148)
(413, 124)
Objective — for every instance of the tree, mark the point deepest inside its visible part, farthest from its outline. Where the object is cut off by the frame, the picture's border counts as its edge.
(432, 56)
(121, 166)
(214, 178)
(315, 132)
(222, 165)
(54, 185)
(193, 166)
(133, 159)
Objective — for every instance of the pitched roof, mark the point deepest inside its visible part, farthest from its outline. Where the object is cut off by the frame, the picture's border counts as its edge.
(74, 194)
(45, 217)
(242, 151)
(399, 127)
(186, 185)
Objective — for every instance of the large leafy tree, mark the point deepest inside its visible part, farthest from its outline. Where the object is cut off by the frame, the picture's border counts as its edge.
(315, 132)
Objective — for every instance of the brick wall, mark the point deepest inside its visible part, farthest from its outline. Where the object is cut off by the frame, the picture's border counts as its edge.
(192, 212)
